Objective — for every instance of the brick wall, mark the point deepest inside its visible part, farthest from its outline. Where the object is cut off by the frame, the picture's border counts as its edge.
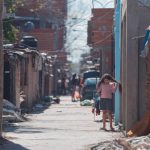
(45, 39)
(49, 37)
(100, 37)
(101, 23)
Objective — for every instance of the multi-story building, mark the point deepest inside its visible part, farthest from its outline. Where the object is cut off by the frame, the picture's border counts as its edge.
(100, 37)
(47, 24)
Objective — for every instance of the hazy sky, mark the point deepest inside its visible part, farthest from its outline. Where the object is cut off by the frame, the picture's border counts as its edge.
(79, 12)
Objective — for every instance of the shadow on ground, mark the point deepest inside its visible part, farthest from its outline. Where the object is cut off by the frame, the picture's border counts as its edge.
(23, 129)
(5, 144)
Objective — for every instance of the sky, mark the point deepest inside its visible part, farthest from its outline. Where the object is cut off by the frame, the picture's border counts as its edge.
(79, 12)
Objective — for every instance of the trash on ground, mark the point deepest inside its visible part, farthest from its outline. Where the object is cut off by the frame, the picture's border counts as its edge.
(134, 143)
(48, 98)
(56, 100)
(38, 107)
(86, 103)
(10, 112)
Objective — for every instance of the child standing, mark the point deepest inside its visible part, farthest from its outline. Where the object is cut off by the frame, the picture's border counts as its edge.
(106, 87)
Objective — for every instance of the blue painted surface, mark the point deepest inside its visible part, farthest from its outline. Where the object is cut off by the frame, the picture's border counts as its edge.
(117, 31)
(147, 35)
(91, 81)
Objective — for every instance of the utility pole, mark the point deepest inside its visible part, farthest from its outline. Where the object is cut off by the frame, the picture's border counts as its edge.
(1, 65)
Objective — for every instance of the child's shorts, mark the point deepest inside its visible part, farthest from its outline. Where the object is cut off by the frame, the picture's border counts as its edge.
(106, 104)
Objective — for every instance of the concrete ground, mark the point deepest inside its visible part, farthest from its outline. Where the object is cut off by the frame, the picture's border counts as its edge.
(64, 126)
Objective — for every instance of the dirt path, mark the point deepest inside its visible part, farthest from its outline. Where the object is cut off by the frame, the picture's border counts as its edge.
(64, 126)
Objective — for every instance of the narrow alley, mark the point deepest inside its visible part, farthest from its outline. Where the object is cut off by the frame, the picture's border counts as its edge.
(56, 55)
(64, 126)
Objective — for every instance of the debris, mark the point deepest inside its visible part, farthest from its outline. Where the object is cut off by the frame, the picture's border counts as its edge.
(47, 98)
(142, 127)
(86, 103)
(56, 100)
(38, 107)
(11, 112)
(108, 145)
(134, 143)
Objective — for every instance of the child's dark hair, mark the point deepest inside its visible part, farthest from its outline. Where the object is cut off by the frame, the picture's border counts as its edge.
(110, 78)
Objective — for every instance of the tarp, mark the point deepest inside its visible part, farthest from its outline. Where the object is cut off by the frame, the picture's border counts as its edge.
(145, 47)
(146, 37)
(91, 81)
(91, 74)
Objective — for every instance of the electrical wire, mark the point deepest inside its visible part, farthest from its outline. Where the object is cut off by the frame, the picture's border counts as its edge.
(100, 41)
(93, 4)
(103, 5)
(84, 20)
(143, 4)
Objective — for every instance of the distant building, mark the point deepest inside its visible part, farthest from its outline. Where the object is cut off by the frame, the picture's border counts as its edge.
(47, 24)
(100, 37)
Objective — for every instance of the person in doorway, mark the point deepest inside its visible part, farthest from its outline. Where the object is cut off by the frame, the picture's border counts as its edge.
(106, 87)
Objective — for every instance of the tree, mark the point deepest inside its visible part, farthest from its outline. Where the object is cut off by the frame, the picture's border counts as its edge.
(10, 31)
(1, 65)
(38, 4)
